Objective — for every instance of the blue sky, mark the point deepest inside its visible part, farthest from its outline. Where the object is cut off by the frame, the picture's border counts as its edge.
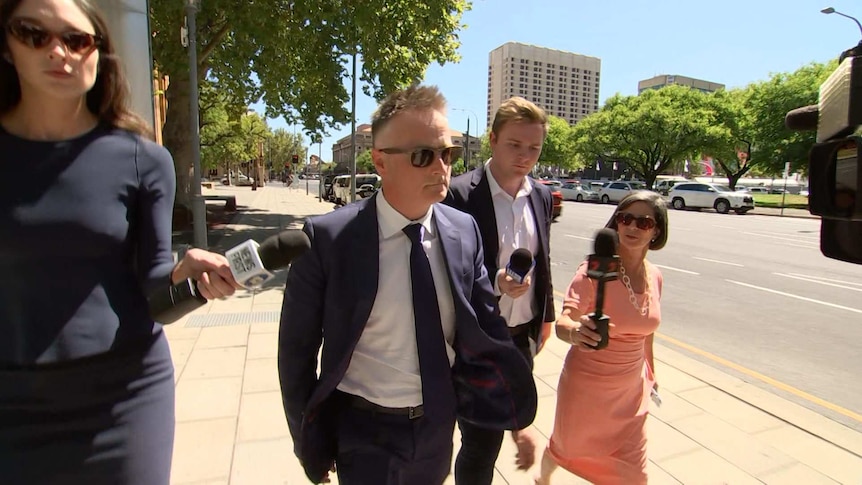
(733, 42)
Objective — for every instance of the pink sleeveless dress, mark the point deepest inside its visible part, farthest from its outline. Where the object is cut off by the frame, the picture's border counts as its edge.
(603, 396)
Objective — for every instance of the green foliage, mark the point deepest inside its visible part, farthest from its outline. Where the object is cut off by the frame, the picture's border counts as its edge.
(364, 163)
(559, 147)
(485, 151)
(293, 54)
(282, 146)
(651, 131)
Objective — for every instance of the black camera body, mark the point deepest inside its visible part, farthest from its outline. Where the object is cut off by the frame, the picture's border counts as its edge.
(834, 164)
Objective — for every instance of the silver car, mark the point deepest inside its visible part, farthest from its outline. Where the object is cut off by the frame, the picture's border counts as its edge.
(577, 192)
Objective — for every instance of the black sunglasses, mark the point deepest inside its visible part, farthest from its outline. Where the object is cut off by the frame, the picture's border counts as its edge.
(422, 157)
(38, 37)
(643, 222)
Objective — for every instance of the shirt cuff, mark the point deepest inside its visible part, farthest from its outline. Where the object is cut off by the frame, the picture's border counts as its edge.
(496, 277)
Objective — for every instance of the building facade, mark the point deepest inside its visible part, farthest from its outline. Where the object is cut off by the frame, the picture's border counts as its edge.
(564, 84)
(663, 80)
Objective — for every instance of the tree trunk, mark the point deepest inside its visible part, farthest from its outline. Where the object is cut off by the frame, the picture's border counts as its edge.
(176, 137)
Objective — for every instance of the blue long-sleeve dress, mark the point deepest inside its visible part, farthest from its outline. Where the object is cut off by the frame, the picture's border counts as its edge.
(86, 379)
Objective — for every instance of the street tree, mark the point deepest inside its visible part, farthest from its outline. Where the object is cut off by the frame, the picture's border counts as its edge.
(294, 56)
(559, 148)
(650, 131)
(282, 146)
(364, 163)
(764, 105)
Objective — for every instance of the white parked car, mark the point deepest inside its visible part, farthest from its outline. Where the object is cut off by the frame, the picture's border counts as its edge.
(710, 196)
(342, 190)
(615, 191)
(577, 192)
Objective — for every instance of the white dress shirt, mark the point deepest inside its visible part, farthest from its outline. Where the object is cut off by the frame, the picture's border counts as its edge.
(384, 368)
(516, 228)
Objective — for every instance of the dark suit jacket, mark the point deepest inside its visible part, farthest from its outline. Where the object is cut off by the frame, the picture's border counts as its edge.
(471, 193)
(328, 298)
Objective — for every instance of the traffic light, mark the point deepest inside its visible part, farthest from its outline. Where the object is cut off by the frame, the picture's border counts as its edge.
(295, 159)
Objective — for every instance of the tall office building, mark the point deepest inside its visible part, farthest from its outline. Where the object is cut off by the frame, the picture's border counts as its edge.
(668, 79)
(564, 84)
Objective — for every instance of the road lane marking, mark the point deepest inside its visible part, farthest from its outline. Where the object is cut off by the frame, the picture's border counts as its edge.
(781, 238)
(719, 262)
(579, 237)
(826, 279)
(811, 280)
(751, 373)
(790, 295)
(675, 269)
(763, 378)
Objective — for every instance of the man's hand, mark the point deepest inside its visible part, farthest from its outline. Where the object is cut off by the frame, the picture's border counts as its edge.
(508, 286)
(210, 270)
(525, 440)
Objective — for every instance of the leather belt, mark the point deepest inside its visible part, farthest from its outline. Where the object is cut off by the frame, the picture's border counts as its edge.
(366, 405)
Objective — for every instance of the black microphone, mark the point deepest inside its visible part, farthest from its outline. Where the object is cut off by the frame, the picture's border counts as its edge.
(603, 266)
(803, 119)
(168, 305)
(520, 264)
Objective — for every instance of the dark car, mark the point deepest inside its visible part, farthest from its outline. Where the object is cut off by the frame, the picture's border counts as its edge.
(555, 185)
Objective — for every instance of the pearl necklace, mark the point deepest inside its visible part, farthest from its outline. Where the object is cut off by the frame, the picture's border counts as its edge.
(642, 309)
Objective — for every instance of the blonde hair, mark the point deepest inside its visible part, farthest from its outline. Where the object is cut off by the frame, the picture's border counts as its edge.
(518, 109)
(415, 97)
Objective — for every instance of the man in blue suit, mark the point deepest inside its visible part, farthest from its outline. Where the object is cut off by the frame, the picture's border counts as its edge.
(395, 290)
(513, 211)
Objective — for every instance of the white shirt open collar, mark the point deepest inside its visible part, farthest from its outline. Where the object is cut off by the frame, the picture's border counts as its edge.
(525, 189)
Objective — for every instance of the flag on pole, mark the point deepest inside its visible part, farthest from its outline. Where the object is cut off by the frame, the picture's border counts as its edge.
(708, 167)
(686, 166)
(616, 167)
(598, 165)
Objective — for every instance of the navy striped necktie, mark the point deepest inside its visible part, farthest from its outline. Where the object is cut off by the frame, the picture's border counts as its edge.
(438, 393)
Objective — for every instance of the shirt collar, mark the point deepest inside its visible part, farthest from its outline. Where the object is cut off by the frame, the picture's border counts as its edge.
(496, 190)
(391, 222)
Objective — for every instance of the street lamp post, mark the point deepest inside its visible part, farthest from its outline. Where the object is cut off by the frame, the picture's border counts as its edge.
(353, 131)
(199, 214)
(830, 10)
(467, 141)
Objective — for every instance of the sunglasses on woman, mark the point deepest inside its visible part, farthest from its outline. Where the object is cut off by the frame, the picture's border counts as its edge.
(422, 157)
(642, 222)
(38, 37)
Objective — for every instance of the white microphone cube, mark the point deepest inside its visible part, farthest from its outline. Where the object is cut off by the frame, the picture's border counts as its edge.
(246, 265)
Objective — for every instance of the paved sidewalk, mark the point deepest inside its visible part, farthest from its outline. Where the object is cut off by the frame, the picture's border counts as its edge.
(712, 428)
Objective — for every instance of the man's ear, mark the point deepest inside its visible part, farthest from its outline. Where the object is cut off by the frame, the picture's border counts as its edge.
(377, 158)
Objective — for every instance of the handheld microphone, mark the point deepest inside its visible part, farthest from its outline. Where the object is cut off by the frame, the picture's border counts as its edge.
(252, 263)
(602, 266)
(168, 305)
(520, 264)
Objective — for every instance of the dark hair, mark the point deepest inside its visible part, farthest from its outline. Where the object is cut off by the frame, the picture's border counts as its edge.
(108, 99)
(658, 206)
(413, 97)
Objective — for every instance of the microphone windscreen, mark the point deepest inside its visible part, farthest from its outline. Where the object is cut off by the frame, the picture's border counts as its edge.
(605, 243)
(803, 119)
(278, 251)
(521, 261)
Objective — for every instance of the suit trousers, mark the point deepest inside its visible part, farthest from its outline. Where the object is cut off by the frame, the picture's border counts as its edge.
(383, 449)
(480, 446)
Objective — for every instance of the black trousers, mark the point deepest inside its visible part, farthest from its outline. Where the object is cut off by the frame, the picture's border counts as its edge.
(480, 446)
(382, 449)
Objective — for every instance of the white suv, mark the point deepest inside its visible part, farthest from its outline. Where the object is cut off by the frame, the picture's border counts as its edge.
(718, 197)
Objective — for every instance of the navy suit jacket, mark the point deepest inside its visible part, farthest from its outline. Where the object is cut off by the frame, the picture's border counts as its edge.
(471, 193)
(329, 295)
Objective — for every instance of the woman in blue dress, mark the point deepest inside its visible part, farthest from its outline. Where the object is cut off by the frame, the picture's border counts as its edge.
(86, 379)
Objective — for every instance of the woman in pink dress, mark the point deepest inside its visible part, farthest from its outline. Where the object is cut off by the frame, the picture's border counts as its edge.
(603, 395)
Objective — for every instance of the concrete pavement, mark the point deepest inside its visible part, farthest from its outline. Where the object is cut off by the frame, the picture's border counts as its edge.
(712, 428)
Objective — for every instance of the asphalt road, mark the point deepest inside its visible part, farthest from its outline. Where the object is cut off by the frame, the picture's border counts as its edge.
(754, 290)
